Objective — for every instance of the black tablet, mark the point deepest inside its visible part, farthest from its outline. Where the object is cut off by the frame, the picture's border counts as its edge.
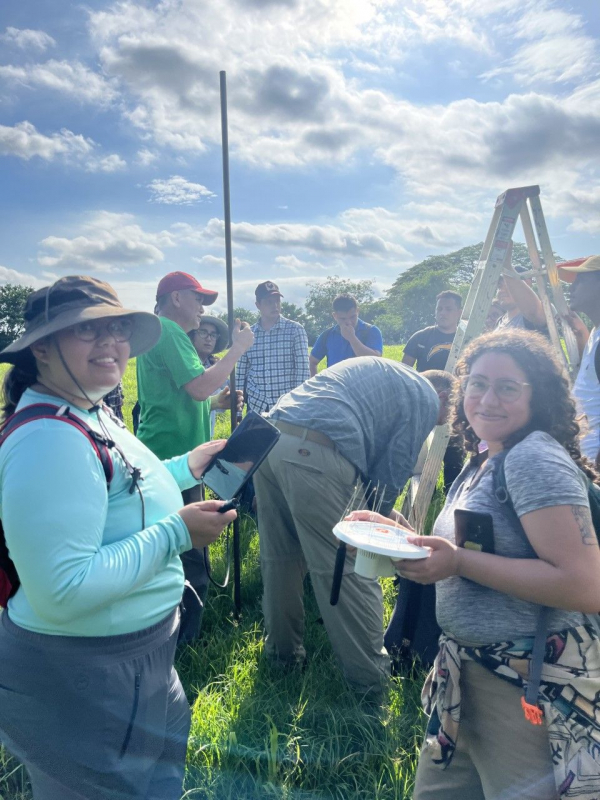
(246, 449)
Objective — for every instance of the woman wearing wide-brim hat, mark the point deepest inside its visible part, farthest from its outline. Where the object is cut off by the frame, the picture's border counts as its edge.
(89, 699)
(212, 336)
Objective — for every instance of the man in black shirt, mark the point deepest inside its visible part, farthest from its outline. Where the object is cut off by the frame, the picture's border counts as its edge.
(414, 618)
(430, 347)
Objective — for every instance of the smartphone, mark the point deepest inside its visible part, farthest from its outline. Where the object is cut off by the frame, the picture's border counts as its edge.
(474, 530)
(246, 449)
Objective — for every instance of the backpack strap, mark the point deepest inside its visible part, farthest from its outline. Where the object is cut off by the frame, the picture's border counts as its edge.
(530, 701)
(100, 443)
(9, 578)
(597, 360)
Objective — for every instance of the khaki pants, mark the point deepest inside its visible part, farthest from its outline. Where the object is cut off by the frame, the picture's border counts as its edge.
(302, 490)
(498, 756)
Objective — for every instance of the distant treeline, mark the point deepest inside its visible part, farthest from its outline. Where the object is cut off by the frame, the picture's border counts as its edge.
(407, 306)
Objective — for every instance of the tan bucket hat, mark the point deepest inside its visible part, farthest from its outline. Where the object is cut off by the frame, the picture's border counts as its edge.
(73, 299)
(222, 332)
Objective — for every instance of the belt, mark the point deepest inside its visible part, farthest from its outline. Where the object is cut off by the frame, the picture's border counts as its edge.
(301, 432)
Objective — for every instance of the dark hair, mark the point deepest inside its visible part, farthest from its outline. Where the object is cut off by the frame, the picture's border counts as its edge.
(210, 357)
(162, 302)
(18, 378)
(344, 302)
(450, 295)
(552, 406)
(441, 380)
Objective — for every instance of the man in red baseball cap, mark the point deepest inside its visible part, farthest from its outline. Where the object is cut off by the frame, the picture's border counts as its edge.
(181, 281)
(174, 389)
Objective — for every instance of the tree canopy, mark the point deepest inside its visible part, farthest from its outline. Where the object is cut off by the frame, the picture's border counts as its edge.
(12, 303)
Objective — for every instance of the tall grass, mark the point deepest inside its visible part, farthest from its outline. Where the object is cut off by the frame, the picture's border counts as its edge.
(261, 733)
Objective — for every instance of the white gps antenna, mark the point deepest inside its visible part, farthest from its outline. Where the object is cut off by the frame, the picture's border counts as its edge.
(377, 544)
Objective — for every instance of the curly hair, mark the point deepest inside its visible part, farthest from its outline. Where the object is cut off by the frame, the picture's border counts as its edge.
(18, 378)
(552, 406)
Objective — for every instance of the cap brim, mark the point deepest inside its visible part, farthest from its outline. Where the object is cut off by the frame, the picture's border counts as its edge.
(208, 298)
(146, 331)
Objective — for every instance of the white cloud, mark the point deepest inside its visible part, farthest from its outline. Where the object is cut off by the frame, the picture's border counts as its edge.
(146, 157)
(297, 265)
(108, 243)
(557, 49)
(24, 141)
(210, 261)
(317, 238)
(112, 163)
(25, 38)
(8, 275)
(178, 191)
(217, 262)
(73, 79)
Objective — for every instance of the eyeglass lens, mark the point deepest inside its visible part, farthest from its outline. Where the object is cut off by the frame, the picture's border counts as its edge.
(120, 329)
(505, 389)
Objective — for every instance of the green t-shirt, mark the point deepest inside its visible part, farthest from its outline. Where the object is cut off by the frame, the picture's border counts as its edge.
(171, 422)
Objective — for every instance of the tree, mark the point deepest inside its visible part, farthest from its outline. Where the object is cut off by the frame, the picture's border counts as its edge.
(411, 298)
(321, 296)
(12, 303)
(295, 313)
(241, 313)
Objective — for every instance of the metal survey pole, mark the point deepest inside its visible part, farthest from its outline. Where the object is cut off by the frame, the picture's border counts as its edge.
(237, 584)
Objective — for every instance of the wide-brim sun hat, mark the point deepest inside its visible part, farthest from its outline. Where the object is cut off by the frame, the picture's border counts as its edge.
(569, 270)
(222, 332)
(74, 299)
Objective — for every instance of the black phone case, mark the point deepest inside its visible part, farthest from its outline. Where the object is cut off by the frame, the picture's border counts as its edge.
(474, 530)
(255, 429)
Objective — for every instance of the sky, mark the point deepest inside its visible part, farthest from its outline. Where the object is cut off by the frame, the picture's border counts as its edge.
(365, 135)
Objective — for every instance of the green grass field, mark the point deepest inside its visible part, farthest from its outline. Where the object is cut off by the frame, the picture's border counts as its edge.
(257, 733)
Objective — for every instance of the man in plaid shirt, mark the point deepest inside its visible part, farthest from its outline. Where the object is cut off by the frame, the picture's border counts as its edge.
(277, 362)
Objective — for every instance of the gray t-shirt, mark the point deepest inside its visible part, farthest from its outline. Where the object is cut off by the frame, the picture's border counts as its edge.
(378, 413)
(539, 474)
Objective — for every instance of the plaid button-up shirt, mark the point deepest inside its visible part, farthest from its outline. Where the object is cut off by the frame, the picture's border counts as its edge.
(276, 363)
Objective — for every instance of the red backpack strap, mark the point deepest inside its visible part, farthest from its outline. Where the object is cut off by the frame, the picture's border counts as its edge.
(100, 443)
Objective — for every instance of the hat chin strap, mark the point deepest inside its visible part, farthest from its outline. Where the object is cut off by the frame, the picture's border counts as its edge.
(84, 394)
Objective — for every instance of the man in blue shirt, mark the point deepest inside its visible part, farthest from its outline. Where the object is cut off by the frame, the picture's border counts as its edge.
(350, 337)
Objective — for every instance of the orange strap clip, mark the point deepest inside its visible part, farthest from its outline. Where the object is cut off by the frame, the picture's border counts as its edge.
(533, 714)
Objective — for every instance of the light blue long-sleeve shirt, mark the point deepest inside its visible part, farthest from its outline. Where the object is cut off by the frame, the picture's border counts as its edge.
(87, 568)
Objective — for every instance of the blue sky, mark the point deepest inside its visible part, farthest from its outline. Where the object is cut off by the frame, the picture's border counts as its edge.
(364, 135)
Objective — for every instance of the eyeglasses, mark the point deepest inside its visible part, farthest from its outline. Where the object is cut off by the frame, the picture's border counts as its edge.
(505, 389)
(204, 334)
(120, 329)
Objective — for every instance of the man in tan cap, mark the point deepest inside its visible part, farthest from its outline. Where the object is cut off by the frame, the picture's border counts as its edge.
(584, 277)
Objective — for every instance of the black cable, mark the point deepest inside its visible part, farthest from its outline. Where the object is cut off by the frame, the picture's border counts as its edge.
(225, 583)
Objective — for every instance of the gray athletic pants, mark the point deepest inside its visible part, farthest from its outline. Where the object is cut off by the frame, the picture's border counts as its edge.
(95, 718)
(302, 490)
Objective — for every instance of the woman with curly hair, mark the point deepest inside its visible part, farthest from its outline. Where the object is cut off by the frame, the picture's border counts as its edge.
(481, 744)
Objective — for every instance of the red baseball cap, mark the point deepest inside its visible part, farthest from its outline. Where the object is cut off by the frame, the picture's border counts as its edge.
(177, 281)
(569, 270)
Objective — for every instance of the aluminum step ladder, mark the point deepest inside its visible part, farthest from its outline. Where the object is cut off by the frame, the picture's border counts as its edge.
(523, 203)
